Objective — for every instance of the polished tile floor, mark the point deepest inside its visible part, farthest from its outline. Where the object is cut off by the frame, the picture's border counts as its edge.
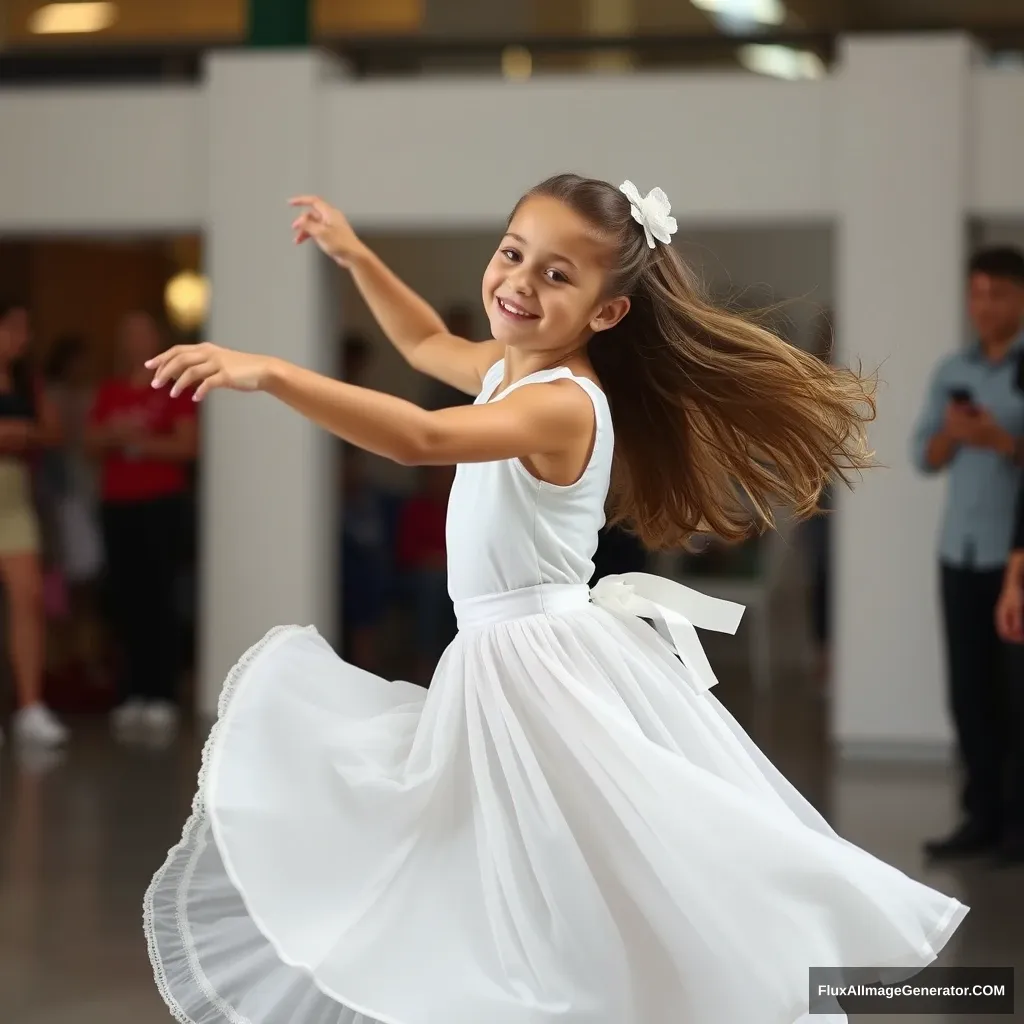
(80, 836)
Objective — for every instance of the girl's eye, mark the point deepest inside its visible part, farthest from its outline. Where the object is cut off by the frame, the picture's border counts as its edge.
(510, 254)
(558, 277)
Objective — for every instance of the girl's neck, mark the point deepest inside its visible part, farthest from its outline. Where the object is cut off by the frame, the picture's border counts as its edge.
(520, 364)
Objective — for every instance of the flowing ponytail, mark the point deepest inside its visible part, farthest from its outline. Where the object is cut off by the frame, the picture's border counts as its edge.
(718, 421)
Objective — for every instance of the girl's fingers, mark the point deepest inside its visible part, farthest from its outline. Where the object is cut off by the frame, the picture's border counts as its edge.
(158, 360)
(315, 211)
(191, 375)
(173, 368)
(305, 228)
(215, 381)
(162, 364)
(310, 201)
(308, 223)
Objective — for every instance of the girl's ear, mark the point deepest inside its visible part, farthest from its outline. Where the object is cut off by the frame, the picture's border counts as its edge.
(610, 314)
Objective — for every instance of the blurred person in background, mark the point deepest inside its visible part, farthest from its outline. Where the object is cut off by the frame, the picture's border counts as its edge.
(972, 424)
(365, 562)
(72, 491)
(365, 554)
(817, 540)
(422, 555)
(28, 424)
(144, 440)
(1010, 626)
(355, 359)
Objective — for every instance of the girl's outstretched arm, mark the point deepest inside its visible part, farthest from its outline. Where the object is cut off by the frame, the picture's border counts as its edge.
(412, 325)
(555, 419)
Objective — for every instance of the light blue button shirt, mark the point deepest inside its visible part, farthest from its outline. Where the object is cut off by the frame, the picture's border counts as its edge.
(977, 526)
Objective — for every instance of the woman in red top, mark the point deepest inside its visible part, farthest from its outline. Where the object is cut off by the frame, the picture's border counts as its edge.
(145, 440)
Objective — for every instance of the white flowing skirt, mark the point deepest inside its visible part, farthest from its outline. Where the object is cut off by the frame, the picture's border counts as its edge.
(563, 828)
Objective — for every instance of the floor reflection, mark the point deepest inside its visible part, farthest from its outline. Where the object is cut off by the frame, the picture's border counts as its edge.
(82, 832)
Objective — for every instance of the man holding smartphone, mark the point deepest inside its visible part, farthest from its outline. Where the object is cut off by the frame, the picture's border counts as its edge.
(973, 426)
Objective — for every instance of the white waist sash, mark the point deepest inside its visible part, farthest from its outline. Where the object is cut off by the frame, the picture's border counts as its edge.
(676, 611)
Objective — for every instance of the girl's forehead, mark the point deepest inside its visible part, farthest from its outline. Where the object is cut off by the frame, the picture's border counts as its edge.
(547, 224)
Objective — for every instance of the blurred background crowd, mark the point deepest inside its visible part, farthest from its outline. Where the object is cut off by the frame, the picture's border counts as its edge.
(99, 533)
(99, 546)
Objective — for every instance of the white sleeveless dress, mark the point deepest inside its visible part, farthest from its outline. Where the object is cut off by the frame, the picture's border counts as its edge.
(566, 828)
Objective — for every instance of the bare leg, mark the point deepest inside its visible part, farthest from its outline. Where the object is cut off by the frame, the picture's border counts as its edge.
(22, 579)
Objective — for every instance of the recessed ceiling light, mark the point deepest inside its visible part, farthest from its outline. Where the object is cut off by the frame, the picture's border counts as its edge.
(516, 62)
(72, 18)
(781, 61)
(754, 12)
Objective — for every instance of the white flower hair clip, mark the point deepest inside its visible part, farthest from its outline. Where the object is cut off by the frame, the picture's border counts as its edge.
(651, 212)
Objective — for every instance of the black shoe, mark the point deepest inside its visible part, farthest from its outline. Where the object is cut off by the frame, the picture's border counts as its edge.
(969, 839)
(1010, 852)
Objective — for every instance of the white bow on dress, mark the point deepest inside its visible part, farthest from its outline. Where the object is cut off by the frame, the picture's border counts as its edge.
(675, 611)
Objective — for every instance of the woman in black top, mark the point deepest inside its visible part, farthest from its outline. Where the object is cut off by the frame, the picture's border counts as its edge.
(27, 423)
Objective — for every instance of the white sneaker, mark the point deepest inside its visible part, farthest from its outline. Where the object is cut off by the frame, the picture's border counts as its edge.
(161, 716)
(35, 759)
(36, 724)
(129, 715)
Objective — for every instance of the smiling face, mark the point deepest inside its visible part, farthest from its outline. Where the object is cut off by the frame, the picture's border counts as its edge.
(544, 289)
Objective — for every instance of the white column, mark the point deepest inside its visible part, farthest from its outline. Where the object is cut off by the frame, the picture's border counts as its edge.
(901, 159)
(268, 481)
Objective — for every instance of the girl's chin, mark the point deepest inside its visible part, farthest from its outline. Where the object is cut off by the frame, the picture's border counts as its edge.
(514, 334)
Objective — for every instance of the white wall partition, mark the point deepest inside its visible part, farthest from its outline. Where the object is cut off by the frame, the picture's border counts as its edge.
(994, 143)
(727, 148)
(448, 154)
(898, 150)
(102, 159)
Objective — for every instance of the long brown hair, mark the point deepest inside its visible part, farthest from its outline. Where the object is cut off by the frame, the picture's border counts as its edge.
(717, 420)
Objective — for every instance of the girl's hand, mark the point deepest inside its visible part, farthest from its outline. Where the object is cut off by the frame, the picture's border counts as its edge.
(209, 366)
(327, 227)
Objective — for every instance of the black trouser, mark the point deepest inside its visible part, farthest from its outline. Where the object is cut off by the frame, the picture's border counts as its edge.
(817, 538)
(1015, 719)
(978, 691)
(143, 551)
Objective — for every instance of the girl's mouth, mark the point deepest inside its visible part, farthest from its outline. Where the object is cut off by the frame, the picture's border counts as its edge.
(514, 312)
